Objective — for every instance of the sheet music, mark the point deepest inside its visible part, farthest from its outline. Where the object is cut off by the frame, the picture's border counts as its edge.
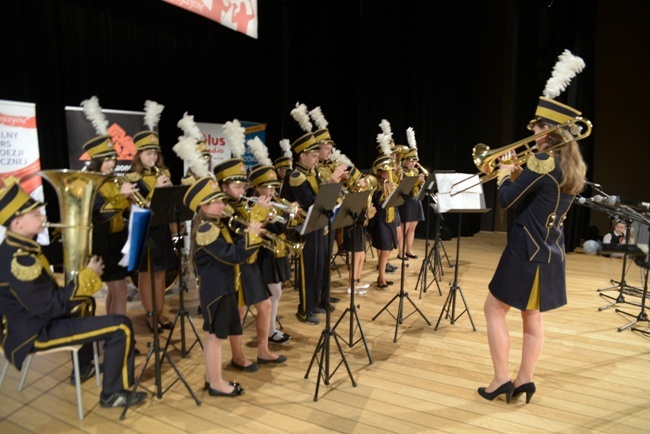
(453, 183)
(460, 201)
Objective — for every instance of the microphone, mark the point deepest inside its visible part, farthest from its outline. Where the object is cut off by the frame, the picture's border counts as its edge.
(593, 184)
(617, 200)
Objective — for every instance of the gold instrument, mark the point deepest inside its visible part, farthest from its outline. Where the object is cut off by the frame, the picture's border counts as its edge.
(137, 198)
(421, 169)
(300, 213)
(486, 160)
(271, 241)
(76, 192)
(289, 207)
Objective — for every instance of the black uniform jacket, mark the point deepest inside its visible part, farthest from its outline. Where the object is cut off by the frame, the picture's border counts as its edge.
(30, 298)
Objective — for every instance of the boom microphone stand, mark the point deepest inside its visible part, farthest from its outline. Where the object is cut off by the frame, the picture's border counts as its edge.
(397, 197)
(159, 208)
(348, 214)
(319, 216)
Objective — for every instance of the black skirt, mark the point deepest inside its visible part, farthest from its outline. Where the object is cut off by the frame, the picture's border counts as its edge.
(411, 211)
(255, 289)
(354, 242)
(221, 317)
(384, 235)
(274, 270)
(163, 255)
(109, 248)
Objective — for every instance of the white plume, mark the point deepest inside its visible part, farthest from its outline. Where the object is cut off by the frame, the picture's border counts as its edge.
(186, 151)
(152, 111)
(300, 115)
(340, 158)
(410, 138)
(285, 145)
(567, 67)
(385, 128)
(318, 118)
(384, 143)
(235, 136)
(189, 127)
(94, 114)
(260, 151)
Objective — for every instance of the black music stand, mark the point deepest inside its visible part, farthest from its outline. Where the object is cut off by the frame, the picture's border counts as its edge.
(318, 217)
(163, 208)
(347, 215)
(397, 198)
(427, 191)
(464, 200)
(179, 212)
(639, 256)
(645, 264)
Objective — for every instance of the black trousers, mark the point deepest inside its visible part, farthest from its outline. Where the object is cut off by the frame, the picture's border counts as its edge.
(115, 330)
(314, 270)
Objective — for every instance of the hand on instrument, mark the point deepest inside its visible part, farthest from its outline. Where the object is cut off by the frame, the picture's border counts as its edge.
(96, 264)
(128, 189)
(163, 181)
(254, 228)
(264, 201)
(338, 173)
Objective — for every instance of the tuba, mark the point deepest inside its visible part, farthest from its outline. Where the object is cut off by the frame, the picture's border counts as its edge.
(76, 192)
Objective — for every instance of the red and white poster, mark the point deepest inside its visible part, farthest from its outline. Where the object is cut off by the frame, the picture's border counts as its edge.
(19, 154)
(238, 15)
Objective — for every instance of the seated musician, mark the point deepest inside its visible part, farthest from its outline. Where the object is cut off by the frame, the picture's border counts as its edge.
(36, 311)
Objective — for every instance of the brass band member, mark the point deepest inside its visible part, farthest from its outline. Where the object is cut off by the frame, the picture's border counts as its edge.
(284, 166)
(148, 172)
(35, 310)
(411, 212)
(274, 264)
(531, 272)
(191, 130)
(217, 259)
(384, 228)
(109, 211)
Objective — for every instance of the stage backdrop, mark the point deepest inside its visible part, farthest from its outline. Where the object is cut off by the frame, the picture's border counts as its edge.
(19, 154)
(220, 151)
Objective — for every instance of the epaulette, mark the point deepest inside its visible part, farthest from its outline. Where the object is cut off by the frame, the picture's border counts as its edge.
(207, 233)
(541, 166)
(297, 178)
(26, 267)
(188, 180)
(133, 176)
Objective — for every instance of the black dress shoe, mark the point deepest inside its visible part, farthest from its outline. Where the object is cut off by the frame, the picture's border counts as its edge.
(151, 328)
(308, 318)
(280, 359)
(235, 392)
(505, 389)
(411, 255)
(334, 299)
(250, 368)
(403, 258)
(529, 388)
(206, 386)
(167, 325)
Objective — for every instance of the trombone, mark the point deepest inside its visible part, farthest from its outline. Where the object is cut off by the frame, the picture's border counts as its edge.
(486, 160)
(270, 241)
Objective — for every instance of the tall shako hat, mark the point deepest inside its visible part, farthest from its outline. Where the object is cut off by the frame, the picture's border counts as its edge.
(412, 152)
(100, 147)
(187, 149)
(14, 201)
(306, 142)
(384, 162)
(322, 134)
(549, 110)
(190, 129)
(234, 169)
(286, 160)
(203, 191)
(148, 138)
(264, 174)
(386, 131)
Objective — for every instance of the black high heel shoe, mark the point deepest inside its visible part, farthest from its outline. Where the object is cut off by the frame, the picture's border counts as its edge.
(529, 388)
(506, 388)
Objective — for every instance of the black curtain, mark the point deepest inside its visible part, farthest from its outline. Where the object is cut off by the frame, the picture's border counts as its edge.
(459, 72)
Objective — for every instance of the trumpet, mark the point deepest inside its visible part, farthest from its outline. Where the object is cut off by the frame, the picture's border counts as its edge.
(486, 160)
(422, 170)
(294, 208)
(288, 207)
(270, 241)
(136, 196)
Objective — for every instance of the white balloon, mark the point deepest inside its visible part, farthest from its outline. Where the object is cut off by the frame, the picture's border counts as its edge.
(591, 247)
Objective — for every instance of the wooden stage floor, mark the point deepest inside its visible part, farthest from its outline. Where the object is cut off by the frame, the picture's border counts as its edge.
(590, 377)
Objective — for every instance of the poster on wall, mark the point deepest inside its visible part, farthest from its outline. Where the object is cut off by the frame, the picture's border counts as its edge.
(239, 15)
(122, 126)
(216, 142)
(19, 153)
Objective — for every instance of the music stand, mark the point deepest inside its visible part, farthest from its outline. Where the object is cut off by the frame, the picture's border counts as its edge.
(163, 207)
(426, 191)
(460, 199)
(397, 198)
(639, 256)
(318, 217)
(347, 215)
(179, 212)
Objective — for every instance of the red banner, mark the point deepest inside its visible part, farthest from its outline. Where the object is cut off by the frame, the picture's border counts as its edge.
(238, 15)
